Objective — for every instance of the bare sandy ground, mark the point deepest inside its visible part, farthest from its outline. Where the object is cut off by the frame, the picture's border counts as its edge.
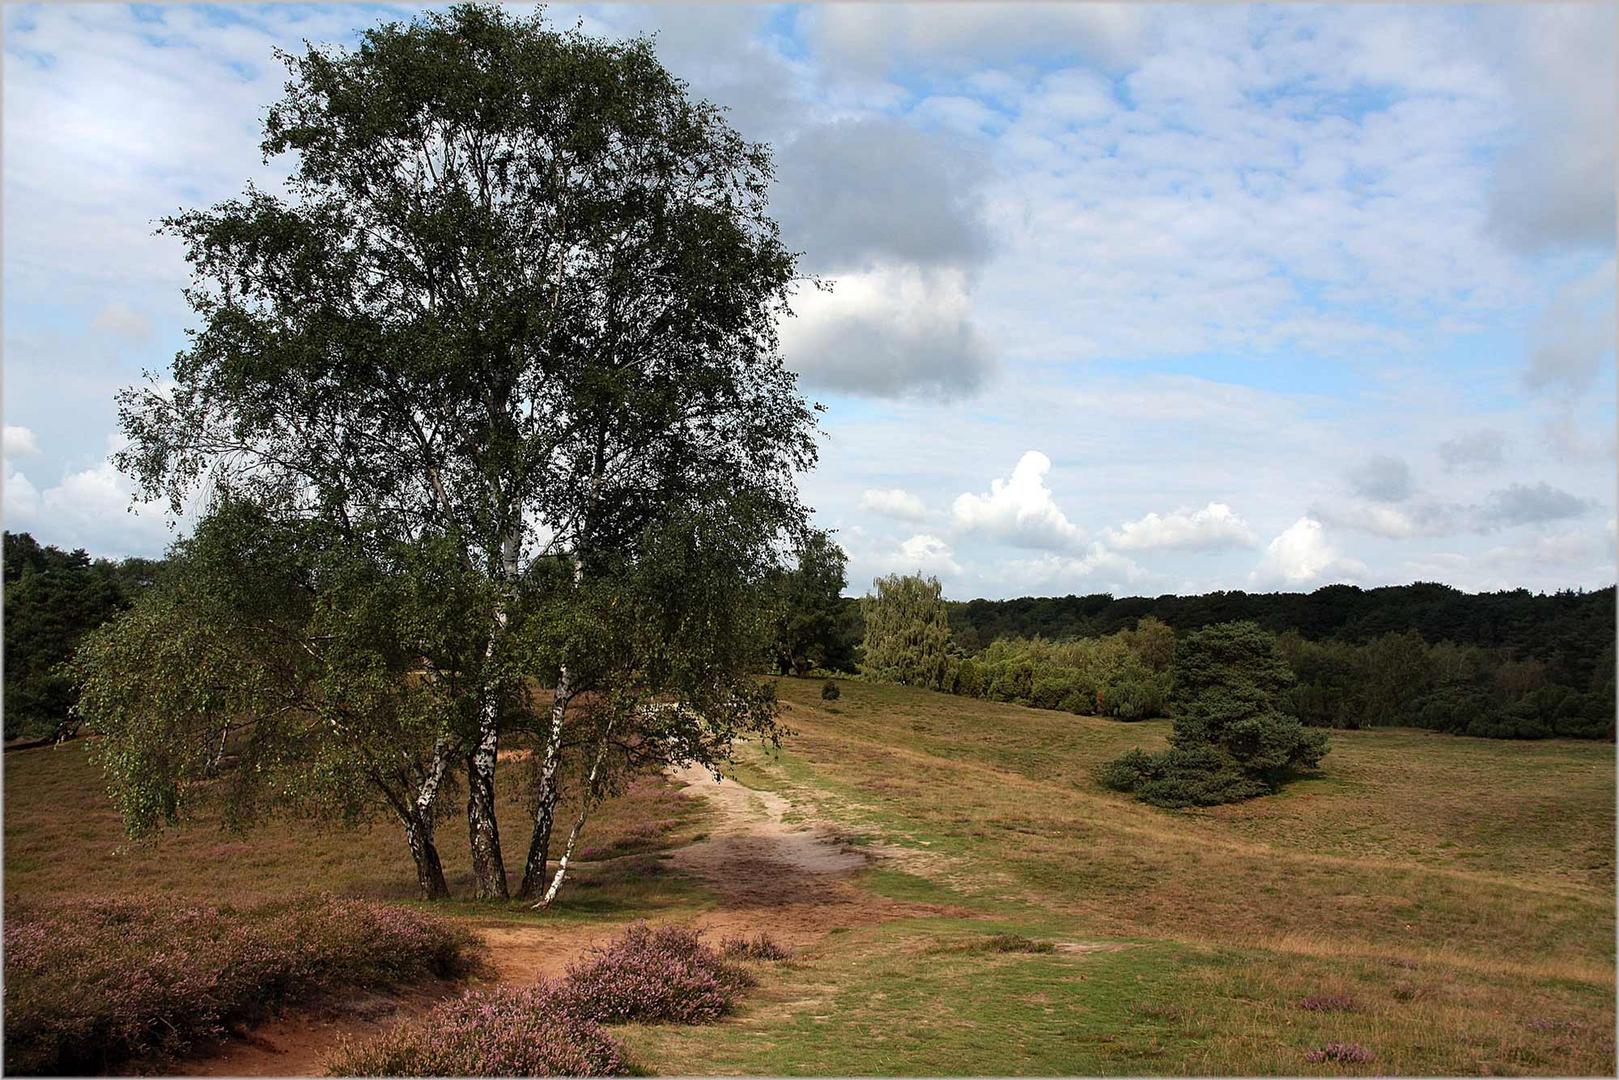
(790, 879)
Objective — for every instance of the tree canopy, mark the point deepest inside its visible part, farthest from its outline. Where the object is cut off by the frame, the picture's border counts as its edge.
(907, 632)
(507, 343)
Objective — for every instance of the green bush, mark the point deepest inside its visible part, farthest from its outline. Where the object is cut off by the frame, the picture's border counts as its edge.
(1230, 741)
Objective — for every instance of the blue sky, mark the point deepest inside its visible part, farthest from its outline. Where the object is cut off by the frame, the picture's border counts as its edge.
(1136, 298)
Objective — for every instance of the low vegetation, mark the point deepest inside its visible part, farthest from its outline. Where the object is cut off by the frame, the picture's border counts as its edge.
(90, 985)
(508, 1031)
(662, 975)
(656, 975)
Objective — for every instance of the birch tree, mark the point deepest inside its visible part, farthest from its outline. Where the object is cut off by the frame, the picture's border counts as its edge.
(518, 299)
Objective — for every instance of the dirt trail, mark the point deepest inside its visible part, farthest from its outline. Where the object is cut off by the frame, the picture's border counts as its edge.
(766, 873)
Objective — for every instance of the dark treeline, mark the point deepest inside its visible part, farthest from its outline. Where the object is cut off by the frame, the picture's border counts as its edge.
(53, 598)
(1571, 632)
(1498, 665)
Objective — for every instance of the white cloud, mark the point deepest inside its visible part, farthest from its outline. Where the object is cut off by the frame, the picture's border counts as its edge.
(1574, 337)
(1302, 556)
(20, 442)
(1020, 510)
(1214, 526)
(925, 554)
(21, 503)
(893, 502)
(89, 508)
(1390, 522)
(1096, 569)
(122, 322)
(889, 332)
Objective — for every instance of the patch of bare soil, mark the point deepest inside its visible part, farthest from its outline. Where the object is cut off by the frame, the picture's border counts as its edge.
(789, 879)
(298, 1043)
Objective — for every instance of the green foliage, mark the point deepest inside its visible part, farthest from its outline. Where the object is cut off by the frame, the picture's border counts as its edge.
(499, 374)
(1359, 653)
(830, 691)
(907, 633)
(1398, 679)
(1230, 739)
(813, 626)
(1124, 675)
(52, 599)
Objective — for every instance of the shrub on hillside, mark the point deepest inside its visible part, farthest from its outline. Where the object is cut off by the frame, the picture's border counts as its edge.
(830, 691)
(91, 985)
(509, 1031)
(655, 974)
(1230, 740)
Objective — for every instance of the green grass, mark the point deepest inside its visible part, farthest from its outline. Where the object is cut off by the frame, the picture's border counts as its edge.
(1459, 890)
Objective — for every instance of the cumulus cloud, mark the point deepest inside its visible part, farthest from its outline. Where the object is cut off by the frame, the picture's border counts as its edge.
(20, 442)
(893, 502)
(889, 333)
(90, 508)
(1019, 510)
(1530, 504)
(1474, 450)
(1096, 567)
(925, 554)
(1214, 526)
(1302, 556)
(856, 193)
(1425, 518)
(1383, 478)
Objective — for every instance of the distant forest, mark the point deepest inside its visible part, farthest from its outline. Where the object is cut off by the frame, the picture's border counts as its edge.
(1572, 632)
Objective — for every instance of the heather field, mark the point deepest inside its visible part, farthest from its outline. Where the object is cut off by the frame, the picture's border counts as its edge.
(944, 888)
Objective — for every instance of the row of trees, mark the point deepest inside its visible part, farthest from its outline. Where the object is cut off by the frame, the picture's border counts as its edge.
(1571, 632)
(495, 441)
(1398, 678)
(53, 598)
(1394, 678)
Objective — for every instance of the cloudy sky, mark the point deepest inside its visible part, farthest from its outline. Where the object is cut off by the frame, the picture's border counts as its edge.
(1137, 299)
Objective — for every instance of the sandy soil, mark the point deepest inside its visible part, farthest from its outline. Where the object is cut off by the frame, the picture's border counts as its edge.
(789, 879)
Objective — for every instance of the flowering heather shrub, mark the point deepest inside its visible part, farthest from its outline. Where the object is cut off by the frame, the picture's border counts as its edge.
(90, 985)
(509, 1031)
(1345, 1052)
(1327, 1003)
(759, 947)
(651, 975)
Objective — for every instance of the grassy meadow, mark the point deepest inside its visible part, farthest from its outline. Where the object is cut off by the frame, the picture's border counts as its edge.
(1449, 901)
(1458, 892)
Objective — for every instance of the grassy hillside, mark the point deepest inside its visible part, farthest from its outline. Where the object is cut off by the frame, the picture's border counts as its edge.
(1449, 900)
(1459, 892)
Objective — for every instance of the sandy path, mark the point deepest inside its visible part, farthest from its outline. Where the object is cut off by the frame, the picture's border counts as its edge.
(793, 881)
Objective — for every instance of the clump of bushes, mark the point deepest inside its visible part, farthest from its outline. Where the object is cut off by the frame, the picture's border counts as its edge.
(759, 947)
(1230, 738)
(1123, 675)
(91, 985)
(1349, 1053)
(652, 975)
(830, 691)
(509, 1031)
